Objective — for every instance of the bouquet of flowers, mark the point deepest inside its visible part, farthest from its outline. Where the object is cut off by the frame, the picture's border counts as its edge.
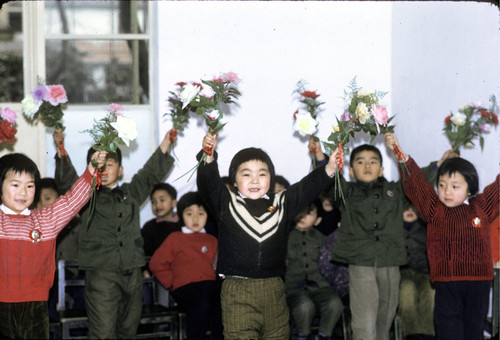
(305, 122)
(7, 125)
(469, 124)
(208, 102)
(179, 109)
(108, 133)
(45, 103)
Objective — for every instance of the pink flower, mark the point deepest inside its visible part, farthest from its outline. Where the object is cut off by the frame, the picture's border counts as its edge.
(380, 114)
(114, 107)
(345, 117)
(56, 95)
(485, 128)
(231, 77)
(8, 115)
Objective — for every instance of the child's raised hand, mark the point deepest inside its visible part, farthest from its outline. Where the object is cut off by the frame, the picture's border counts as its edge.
(169, 139)
(333, 162)
(58, 136)
(209, 143)
(100, 158)
(393, 144)
(446, 155)
(315, 148)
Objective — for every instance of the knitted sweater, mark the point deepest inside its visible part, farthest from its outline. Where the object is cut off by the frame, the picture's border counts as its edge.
(458, 249)
(27, 267)
(184, 258)
(253, 233)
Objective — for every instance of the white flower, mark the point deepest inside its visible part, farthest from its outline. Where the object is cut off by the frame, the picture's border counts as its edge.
(336, 127)
(362, 113)
(30, 107)
(363, 92)
(305, 124)
(459, 119)
(213, 115)
(188, 94)
(126, 129)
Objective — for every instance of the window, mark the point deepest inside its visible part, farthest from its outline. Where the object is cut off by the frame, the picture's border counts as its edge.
(99, 50)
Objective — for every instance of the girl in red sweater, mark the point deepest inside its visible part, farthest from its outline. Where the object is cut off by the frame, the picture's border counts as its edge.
(458, 242)
(28, 242)
(185, 262)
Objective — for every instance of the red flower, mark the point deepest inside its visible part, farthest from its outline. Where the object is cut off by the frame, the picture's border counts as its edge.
(485, 114)
(295, 114)
(447, 120)
(7, 132)
(199, 85)
(219, 80)
(494, 118)
(310, 94)
(181, 83)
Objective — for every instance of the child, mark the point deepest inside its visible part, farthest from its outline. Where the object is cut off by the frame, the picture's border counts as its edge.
(185, 262)
(307, 291)
(371, 241)
(28, 239)
(416, 295)
(154, 232)
(253, 232)
(458, 242)
(110, 245)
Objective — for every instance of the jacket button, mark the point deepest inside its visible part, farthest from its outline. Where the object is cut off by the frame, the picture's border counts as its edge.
(375, 225)
(119, 229)
(120, 214)
(121, 244)
(376, 195)
(375, 210)
(376, 238)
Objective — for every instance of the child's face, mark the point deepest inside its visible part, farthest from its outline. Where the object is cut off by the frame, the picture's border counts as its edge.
(18, 191)
(195, 217)
(410, 215)
(112, 170)
(278, 187)
(366, 167)
(452, 190)
(162, 204)
(253, 179)
(308, 221)
(47, 197)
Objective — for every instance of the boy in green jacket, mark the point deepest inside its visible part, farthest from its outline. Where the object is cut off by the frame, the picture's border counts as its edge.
(110, 244)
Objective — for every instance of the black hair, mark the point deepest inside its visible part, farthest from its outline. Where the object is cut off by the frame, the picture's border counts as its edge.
(282, 180)
(250, 154)
(117, 156)
(166, 187)
(17, 163)
(45, 183)
(364, 147)
(187, 200)
(311, 207)
(464, 168)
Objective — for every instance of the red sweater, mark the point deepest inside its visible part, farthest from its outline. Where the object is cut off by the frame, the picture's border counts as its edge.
(27, 267)
(458, 250)
(184, 258)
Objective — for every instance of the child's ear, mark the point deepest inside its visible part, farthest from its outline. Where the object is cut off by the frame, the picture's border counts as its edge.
(351, 173)
(174, 203)
(120, 171)
(318, 221)
(381, 172)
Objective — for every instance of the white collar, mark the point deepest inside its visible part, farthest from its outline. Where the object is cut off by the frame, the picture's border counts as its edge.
(243, 196)
(186, 230)
(9, 211)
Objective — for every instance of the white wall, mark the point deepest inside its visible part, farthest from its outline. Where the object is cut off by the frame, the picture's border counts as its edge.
(432, 58)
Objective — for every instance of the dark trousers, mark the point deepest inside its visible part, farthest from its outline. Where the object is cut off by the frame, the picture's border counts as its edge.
(460, 309)
(201, 303)
(24, 320)
(113, 301)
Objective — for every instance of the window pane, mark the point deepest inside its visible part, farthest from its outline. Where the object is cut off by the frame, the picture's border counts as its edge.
(96, 17)
(100, 71)
(11, 52)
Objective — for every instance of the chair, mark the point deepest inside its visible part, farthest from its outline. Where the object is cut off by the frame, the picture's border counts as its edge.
(157, 320)
(74, 323)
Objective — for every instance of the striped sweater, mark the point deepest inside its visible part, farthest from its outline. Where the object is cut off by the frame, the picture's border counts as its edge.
(27, 267)
(458, 249)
